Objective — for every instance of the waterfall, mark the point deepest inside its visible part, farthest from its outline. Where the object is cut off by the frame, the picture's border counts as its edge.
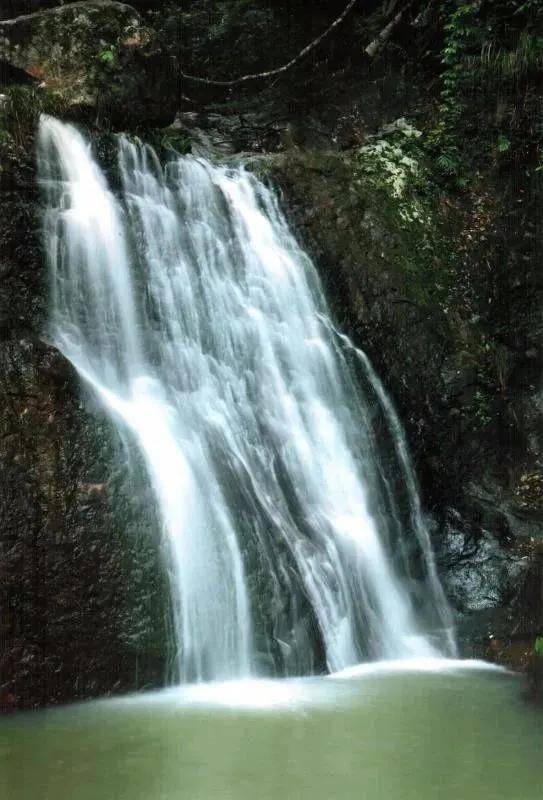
(184, 301)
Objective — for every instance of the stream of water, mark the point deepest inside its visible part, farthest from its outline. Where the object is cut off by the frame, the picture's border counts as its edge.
(294, 537)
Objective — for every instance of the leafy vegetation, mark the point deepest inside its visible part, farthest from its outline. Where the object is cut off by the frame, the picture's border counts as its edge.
(491, 51)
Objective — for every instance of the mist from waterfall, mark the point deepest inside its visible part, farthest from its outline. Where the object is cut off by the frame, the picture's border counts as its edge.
(183, 299)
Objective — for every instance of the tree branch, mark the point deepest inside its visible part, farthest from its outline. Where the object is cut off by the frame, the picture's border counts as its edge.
(270, 73)
(375, 46)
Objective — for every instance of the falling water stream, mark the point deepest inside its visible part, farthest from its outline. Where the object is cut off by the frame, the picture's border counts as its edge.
(183, 299)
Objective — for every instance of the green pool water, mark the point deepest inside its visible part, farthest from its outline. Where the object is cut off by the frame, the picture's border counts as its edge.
(384, 734)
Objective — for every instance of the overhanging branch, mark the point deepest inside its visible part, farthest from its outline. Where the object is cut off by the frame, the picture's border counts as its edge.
(271, 73)
(375, 46)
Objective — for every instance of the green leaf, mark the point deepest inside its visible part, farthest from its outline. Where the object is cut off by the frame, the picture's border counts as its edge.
(107, 56)
(504, 143)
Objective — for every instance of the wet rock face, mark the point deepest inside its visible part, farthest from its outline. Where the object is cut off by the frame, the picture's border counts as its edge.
(82, 596)
(488, 581)
(21, 276)
(74, 564)
(468, 394)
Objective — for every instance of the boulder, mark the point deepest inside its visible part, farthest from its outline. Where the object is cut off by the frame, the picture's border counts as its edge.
(97, 55)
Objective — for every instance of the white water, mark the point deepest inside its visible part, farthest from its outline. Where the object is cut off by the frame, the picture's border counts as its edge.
(200, 324)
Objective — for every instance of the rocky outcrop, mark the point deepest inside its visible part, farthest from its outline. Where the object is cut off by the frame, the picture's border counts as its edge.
(83, 605)
(465, 373)
(95, 57)
(64, 36)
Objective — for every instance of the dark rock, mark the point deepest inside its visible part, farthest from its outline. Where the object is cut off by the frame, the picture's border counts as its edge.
(10, 75)
(83, 601)
(74, 558)
(472, 412)
(18, 8)
(66, 40)
(479, 573)
(534, 692)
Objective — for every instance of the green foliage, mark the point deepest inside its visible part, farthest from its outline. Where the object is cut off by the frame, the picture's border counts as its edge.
(504, 143)
(461, 35)
(495, 62)
(394, 165)
(393, 160)
(538, 646)
(449, 158)
(486, 45)
(447, 162)
(108, 56)
(481, 408)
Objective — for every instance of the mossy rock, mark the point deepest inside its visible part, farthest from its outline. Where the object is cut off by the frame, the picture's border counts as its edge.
(96, 54)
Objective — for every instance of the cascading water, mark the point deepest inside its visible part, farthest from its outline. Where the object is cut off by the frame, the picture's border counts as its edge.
(191, 311)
